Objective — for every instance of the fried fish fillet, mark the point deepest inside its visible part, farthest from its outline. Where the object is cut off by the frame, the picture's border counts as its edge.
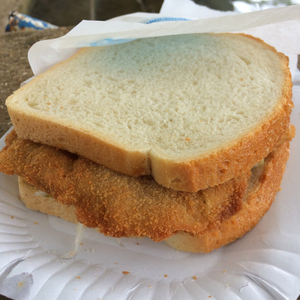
(116, 204)
(262, 187)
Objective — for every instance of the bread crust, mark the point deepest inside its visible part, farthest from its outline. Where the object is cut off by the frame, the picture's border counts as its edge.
(191, 174)
(259, 198)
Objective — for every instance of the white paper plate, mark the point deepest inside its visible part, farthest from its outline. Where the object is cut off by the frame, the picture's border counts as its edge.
(264, 264)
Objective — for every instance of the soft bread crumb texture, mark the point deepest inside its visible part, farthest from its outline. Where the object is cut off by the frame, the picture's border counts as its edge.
(107, 90)
(183, 108)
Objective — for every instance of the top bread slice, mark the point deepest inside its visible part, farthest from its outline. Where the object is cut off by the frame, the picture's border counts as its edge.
(192, 110)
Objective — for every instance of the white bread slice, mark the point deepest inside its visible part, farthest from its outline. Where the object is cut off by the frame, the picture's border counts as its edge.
(262, 187)
(193, 111)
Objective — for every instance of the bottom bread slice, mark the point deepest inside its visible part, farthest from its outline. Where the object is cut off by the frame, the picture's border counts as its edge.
(262, 187)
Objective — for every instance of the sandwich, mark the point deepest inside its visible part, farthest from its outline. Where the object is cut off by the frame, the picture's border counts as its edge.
(182, 139)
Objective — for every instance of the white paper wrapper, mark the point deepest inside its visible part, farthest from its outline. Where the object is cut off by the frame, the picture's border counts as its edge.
(280, 27)
(264, 264)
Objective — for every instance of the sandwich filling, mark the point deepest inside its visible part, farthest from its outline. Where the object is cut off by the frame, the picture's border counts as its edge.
(118, 205)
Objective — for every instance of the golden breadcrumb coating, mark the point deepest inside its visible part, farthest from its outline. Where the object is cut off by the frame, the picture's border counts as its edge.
(120, 206)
